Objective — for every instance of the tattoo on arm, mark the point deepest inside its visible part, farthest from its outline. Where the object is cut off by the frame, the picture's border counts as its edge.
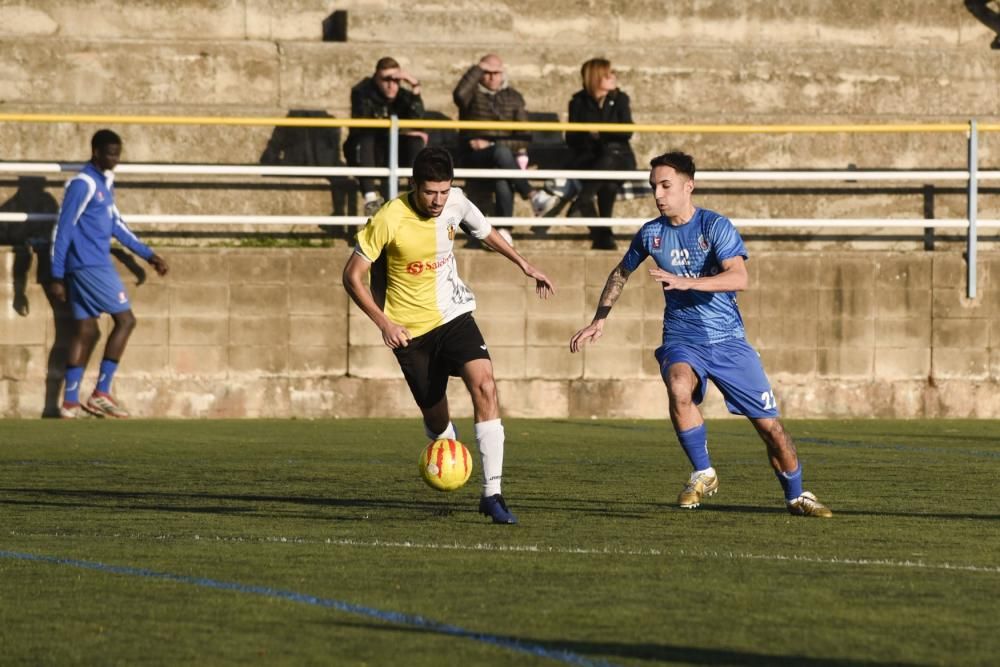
(612, 290)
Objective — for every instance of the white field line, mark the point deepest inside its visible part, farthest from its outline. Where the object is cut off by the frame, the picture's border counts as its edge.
(537, 549)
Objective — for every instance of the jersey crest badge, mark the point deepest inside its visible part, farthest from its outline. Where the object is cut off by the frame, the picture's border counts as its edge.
(451, 232)
(657, 242)
(702, 242)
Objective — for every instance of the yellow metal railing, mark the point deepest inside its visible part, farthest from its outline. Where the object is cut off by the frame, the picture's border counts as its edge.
(971, 129)
(282, 121)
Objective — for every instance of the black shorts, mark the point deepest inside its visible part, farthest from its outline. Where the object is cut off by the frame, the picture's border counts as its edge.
(429, 360)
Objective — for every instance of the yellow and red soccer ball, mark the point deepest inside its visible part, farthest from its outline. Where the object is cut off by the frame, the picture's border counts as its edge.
(445, 464)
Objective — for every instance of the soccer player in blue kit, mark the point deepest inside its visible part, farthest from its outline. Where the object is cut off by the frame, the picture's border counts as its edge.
(701, 263)
(84, 277)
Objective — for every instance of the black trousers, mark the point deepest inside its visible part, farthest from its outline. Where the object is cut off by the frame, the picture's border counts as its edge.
(372, 150)
(605, 191)
(498, 156)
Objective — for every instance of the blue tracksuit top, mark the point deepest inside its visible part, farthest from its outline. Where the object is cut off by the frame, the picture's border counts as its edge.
(87, 221)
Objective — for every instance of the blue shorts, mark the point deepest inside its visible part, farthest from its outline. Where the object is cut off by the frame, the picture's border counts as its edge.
(733, 366)
(94, 290)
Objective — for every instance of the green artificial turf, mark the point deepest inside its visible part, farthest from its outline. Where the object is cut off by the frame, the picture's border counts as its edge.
(317, 543)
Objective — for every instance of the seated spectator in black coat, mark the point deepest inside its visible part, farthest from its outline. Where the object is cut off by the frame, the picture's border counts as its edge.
(600, 101)
(381, 96)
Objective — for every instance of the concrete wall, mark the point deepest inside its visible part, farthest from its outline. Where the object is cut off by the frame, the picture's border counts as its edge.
(847, 325)
(237, 332)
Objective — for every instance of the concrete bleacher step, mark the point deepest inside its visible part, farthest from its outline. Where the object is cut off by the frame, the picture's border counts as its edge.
(676, 23)
(90, 75)
(506, 22)
(176, 20)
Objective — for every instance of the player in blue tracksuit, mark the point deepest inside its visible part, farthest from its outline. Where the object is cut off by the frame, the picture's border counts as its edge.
(701, 263)
(83, 275)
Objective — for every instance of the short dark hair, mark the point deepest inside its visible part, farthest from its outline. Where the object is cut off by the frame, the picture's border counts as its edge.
(682, 163)
(433, 164)
(386, 63)
(104, 138)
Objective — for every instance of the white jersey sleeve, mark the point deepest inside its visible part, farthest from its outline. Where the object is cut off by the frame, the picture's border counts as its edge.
(473, 218)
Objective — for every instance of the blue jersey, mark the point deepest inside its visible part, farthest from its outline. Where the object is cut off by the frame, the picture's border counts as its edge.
(694, 249)
(88, 219)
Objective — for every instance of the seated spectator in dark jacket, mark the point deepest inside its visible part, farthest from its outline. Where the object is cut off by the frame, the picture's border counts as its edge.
(483, 93)
(600, 101)
(380, 96)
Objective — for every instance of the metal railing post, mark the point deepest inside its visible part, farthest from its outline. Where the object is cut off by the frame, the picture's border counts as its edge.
(393, 156)
(973, 206)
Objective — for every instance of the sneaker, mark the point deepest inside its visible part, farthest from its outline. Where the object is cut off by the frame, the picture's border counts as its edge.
(808, 505)
(505, 233)
(69, 411)
(542, 202)
(495, 508)
(104, 405)
(372, 207)
(701, 485)
(563, 188)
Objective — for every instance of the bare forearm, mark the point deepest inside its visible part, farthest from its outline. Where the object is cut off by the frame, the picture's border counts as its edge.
(732, 278)
(498, 244)
(362, 298)
(361, 295)
(727, 281)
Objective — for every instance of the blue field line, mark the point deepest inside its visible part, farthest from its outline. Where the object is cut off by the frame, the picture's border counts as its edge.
(303, 598)
(854, 444)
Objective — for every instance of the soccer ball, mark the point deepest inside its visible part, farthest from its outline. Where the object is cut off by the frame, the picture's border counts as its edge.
(445, 464)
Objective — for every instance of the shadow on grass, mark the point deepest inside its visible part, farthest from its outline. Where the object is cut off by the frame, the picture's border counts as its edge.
(160, 501)
(746, 509)
(605, 650)
(954, 450)
(177, 502)
(194, 502)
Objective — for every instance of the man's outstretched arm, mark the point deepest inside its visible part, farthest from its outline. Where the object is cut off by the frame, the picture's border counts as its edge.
(612, 290)
(543, 286)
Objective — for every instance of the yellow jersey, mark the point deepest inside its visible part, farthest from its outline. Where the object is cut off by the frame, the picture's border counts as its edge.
(423, 290)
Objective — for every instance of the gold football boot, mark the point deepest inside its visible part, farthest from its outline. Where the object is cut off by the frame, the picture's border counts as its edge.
(701, 485)
(808, 505)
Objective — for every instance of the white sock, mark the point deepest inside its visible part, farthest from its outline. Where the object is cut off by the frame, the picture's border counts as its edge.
(708, 471)
(489, 438)
(370, 196)
(449, 433)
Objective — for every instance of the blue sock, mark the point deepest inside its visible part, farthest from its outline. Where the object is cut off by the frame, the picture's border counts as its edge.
(73, 376)
(791, 483)
(108, 368)
(695, 444)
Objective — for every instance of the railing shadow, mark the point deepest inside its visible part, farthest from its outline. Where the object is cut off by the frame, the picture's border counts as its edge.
(314, 147)
(988, 16)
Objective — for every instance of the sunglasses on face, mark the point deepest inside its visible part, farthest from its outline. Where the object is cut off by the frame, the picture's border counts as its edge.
(389, 79)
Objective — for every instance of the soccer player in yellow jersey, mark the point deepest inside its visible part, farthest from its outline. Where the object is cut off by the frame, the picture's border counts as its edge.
(427, 317)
